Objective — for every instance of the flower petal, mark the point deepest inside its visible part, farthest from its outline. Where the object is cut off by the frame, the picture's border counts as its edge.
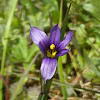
(65, 41)
(48, 68)
(62, 52)
(55, 33)
(37, 35)
(44, 45)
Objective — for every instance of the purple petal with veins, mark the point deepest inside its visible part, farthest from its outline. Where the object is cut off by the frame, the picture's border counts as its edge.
(48, 67)
(54, 37)
(38, 35)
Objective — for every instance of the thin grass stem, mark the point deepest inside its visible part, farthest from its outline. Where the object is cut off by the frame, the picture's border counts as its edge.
(6, 35)
(57, 83)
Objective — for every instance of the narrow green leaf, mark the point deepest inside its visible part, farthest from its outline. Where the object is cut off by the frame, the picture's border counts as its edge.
(12, 7)
(65, 23)
(57, 83)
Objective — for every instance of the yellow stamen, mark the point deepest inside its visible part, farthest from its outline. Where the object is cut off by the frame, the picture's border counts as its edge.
(48, 53)
(52, 46)
(54, 53)
(51, 54)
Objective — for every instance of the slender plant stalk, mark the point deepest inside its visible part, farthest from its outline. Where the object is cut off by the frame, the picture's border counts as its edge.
(60, 71)
(45, 90)
(60, 67)
(7, 96)
(60, 14)
(8, 25)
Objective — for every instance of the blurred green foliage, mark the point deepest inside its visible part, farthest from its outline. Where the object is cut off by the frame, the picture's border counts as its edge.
(84, 20)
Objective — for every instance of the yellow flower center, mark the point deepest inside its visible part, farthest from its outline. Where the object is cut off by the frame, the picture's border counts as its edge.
(51, 52)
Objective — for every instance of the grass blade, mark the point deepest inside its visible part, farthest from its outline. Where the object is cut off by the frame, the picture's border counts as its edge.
(65, 23)
(58, 83)
(12, 7)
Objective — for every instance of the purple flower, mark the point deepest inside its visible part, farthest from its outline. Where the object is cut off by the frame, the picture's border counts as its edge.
(51, 47)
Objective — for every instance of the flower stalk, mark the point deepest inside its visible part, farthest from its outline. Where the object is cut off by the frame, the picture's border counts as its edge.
(60, 67)
(45, 90)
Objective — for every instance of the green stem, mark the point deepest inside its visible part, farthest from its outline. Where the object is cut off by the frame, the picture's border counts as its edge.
(60, 71)
(61, 13)
(8, 25)
(45, 90)
(60, 68)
